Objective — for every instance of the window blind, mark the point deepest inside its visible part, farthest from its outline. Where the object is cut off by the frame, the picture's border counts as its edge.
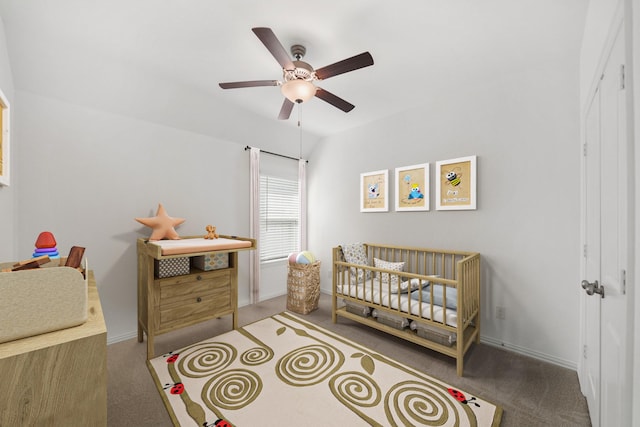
(279, 217)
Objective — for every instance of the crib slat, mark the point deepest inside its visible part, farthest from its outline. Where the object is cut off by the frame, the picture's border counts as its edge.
(455, 269)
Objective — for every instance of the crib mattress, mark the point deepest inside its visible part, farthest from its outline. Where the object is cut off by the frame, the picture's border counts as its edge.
(402, 302)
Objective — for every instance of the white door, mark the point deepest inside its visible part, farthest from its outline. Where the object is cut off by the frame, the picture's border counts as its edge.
(613, 243)
(590, 380)
(606, 366)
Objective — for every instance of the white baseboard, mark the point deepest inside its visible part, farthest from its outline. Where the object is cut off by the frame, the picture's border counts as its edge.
(516, 349)
(530, 353)
(121, 337)
(134, 334)
(484, 339)
(274, 295)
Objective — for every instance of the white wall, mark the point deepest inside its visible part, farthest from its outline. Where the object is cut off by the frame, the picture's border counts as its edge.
(524, 128)
(636, 270)
(7, 194)
(85, 175)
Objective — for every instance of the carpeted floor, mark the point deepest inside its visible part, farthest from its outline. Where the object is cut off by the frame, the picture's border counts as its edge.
(531, 392)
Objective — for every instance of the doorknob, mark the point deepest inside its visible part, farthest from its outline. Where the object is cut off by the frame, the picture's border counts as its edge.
(593, 288)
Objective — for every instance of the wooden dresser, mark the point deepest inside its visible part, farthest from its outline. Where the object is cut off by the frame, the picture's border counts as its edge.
(58, 378)
(171, 303)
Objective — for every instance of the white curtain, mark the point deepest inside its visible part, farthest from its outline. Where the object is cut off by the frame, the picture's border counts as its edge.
(254, 225)
(302, 192)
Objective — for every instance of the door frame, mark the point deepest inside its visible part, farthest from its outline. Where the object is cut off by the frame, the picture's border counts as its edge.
(634, 24)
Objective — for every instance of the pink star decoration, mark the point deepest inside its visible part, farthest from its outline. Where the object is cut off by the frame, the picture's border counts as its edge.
(162, 225)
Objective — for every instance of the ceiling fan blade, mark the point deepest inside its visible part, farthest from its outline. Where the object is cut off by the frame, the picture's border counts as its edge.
(252, 83)
(334, 100)
(285, 111)
(271, 42)
(354, 63)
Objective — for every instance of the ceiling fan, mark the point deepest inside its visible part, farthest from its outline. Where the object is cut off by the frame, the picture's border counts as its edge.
(299, 76)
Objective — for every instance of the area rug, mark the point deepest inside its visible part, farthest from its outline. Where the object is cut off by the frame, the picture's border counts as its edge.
(285, 371)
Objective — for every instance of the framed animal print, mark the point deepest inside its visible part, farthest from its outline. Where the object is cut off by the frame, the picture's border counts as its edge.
(456, 184)
(412, 188)
(374, 191)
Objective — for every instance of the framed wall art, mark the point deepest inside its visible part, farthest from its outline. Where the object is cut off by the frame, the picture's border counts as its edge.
(412, 188)
(374, 191)
(456, 184)
(4, 140)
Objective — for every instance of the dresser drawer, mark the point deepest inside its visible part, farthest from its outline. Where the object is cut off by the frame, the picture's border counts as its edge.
(166, 304)
(176, 289)
(196, 309)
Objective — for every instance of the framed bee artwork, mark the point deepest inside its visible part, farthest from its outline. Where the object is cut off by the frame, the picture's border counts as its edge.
(456, 184)
(412, 188)
(4, 140)
(374, 191)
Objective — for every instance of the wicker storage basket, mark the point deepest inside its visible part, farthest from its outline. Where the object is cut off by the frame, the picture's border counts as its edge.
(303, 287)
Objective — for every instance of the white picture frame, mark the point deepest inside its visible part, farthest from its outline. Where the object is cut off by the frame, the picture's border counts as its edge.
(412, 188)
(374, 191)
(456, 184)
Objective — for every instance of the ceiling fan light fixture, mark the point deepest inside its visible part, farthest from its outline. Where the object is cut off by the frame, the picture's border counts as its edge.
(298, 76)
(298, 90)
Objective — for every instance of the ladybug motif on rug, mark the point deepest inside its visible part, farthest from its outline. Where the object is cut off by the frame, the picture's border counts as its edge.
(177, 388)
(460, 397)
(171, 358)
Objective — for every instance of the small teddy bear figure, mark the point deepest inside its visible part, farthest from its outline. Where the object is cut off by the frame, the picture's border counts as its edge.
(211, 232)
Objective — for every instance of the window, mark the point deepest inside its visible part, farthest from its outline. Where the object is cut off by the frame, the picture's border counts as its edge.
(279, 217)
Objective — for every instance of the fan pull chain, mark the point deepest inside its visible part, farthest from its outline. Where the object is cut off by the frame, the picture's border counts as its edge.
(300, 127)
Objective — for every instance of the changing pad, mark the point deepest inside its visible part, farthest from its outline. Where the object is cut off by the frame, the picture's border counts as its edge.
(194, 245)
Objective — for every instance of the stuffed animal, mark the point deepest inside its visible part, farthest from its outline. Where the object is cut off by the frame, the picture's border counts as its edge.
(211, 232)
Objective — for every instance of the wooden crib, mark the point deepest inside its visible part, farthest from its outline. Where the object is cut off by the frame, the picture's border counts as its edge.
(426, 296)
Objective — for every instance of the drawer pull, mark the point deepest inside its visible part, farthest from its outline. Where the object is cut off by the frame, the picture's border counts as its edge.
(199, 277)
(199, 299)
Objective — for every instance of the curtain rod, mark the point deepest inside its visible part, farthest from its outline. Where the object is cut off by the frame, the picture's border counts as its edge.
(274, 154)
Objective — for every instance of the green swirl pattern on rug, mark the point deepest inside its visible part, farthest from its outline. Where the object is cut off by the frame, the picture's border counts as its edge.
(307, 376)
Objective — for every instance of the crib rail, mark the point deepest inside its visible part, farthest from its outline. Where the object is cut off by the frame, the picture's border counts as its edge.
(457, 273)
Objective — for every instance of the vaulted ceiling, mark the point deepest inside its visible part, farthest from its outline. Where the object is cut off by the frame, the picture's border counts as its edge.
(162, 60)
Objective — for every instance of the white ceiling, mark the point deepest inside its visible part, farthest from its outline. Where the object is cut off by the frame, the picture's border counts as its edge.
(162, 60)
